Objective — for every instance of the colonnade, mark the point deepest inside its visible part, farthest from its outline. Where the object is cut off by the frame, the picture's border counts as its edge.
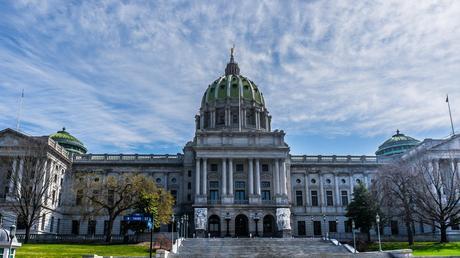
(253, 176)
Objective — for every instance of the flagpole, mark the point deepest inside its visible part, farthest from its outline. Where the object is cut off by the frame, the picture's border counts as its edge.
(19, 111)
(450, 114)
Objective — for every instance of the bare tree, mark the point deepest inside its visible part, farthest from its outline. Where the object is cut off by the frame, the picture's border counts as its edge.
(394, 184)
(110, 195)
(31, 182)
(437, 193)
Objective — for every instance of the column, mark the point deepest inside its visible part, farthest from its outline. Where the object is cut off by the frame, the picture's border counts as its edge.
(307, 192)
(197, 176)
(283, 178)
(337, 193)
(230, 176)
(277, 177)
(14, 170)
(257, 119)
(352, 184)
(205, 177)
(366, 181)
(458, 170)
(201, 120)
(224, 176)
(258, 177)
(251, 177)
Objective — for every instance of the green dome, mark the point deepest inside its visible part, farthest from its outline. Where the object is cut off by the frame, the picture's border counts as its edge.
(69, 142)
(232, 86)
(397, 144)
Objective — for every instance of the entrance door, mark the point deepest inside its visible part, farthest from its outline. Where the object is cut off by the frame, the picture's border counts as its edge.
(214, 226)
(241, 226)
(269, 226)
(317, 228)
(301, 228)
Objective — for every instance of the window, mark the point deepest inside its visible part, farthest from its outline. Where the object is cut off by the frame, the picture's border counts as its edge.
(240, 184)
(189, 185)
(314, 198)
(214, 167)
(299, 198)
(240, 195)
(92, 227)
(214, 195)
(158, 180)
(214, 184)
(313, 181)
(174, 194)
(55, 179)
(348, 226)
(298, 181)
(53, 197)
(329, 199)
(456, 223)
(110, 197)
(265, 168)
(106, 226)
(58, 226)
(189, 197)
(52, 225)
(79, 197)
(328, 181)
(189, 173)
(265, 184)
(317, 228)
(394, 227)
(344, 181)
(42, 227)
(301, 228)
(266, 195)
(239, 168)
(358, 181)
(332, 226)
(75, 227)
(220, 116)
(173, 180)
(344, 198)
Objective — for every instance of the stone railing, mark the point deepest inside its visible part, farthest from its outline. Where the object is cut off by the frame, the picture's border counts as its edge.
(154, 158)
(319, 159)
(58, 147)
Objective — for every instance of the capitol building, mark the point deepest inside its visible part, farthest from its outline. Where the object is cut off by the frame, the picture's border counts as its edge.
(236, 177)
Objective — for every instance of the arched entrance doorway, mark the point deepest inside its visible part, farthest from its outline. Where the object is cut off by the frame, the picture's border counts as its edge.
(214, 226)
(269, 226)
(241, 226)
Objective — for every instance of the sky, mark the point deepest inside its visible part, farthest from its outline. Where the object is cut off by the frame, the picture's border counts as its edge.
(339, 77)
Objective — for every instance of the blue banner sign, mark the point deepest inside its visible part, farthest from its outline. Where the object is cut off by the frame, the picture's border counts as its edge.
(137, 217)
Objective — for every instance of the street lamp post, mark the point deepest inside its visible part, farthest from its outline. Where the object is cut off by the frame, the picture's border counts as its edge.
(336, 228)
(377, 218)
(172, 232)
(12, 235)
(151, 235)
(256, 220)
(354, 238)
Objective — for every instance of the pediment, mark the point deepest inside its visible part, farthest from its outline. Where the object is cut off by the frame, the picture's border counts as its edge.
(12, 138)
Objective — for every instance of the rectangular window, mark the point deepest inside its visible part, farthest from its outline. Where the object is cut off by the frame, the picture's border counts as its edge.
(240, 184)
(79, 197)
(314, 198)
(110, 197)
(189, 173)
(240, 195)
(43, 223)
(239, 168)
(214, 167)
(394, 227)
(189, 186)
(265, 184)
(58, 226)
(265, 168)
(456, 223)
(348, 226)
(53, 197)
(189, 197)
(214, 184)
(106, 227)
(332, 226)
(92, 227)
(298, 198)
(52, 224)
(214, 195)
(75, 227)
(174, 194)
(301, 228)
(329, 199)
(344, 198)
(266, 195)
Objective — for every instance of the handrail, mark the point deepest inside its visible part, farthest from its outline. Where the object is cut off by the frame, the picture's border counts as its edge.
(128, 157)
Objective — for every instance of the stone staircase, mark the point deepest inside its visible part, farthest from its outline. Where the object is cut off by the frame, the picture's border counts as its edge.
(260, 247)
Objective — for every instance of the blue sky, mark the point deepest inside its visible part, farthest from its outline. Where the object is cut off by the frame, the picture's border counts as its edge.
(127, 76)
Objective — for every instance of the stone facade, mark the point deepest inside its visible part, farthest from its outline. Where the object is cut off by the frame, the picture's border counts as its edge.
(235, 178)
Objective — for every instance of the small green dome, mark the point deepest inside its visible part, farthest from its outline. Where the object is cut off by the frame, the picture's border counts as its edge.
(397, 144)
(232, 86)
(69, 142)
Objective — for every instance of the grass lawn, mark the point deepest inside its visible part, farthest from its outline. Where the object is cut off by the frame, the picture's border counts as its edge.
(422, 248)
(77, 250)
